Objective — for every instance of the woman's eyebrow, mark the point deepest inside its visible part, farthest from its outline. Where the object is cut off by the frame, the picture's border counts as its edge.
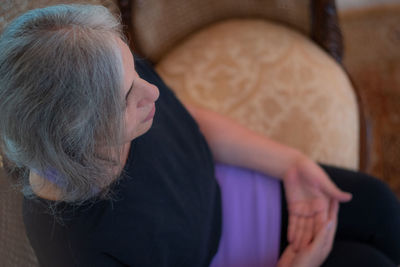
(130, 89)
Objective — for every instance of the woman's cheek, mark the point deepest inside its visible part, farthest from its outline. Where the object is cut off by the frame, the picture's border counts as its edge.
(129, 121)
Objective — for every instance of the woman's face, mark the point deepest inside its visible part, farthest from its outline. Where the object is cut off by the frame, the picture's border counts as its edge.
(140, 98)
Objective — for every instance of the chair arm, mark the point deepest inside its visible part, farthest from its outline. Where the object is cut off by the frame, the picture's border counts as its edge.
(325, 29)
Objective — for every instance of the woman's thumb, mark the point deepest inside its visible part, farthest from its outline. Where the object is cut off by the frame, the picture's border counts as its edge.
(338, 194)
(322, 237)
(286, 257)
(344, 196)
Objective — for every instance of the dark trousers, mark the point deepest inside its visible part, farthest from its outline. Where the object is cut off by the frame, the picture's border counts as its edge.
(368, 232)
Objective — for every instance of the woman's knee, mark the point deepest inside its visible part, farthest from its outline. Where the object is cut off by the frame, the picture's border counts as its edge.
(350, 253)
(372, 216)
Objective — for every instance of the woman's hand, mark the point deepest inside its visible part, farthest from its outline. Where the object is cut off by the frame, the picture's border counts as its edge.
(309, 192)
(315, 253)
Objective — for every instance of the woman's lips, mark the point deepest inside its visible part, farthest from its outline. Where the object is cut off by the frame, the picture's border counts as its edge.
(151, 114)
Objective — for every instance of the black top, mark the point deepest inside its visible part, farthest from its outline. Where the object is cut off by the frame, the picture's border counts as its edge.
(166, 209)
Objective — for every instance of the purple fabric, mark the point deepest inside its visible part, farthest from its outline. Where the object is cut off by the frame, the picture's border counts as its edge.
(251, 209)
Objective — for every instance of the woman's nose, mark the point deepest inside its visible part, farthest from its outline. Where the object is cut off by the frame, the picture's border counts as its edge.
(150, 94)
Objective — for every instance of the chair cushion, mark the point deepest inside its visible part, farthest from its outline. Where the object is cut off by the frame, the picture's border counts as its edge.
(273, 80)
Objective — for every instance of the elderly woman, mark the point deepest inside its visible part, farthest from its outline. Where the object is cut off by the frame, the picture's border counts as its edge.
(120, 173)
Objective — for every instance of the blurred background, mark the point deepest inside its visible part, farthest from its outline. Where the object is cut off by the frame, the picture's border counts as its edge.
(371, 31)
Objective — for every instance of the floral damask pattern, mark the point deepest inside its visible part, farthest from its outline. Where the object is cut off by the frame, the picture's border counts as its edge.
(272, 80)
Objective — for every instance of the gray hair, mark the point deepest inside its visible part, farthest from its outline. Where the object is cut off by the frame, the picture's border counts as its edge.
(61, 79)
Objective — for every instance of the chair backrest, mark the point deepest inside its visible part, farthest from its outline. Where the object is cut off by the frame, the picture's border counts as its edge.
(157, 25)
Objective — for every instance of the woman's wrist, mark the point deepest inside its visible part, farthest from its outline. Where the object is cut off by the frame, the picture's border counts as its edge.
(295, 159)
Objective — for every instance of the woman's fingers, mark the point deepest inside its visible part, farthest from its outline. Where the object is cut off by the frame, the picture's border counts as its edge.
(302, 219)
(320, 220)
(308, 232)
(316, 251)
(303, 229)
(299, 232)
(322, 241)
(292, 227)
(305, 222)
(314, 254)
(287, 257)
(295, 210)
(333, 191)
(334, 210)
(324, 238)
(333, 215)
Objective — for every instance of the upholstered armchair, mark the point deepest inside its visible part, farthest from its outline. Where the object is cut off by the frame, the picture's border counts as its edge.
(272, 65)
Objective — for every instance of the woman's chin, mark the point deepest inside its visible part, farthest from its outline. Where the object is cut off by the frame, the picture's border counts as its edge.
(145, 127)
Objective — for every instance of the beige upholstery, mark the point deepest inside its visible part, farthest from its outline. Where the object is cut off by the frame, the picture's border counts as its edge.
(159, 24)
(272, 80)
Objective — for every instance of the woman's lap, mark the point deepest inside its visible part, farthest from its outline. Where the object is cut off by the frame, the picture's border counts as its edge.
(371, 218)
(251, 218)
